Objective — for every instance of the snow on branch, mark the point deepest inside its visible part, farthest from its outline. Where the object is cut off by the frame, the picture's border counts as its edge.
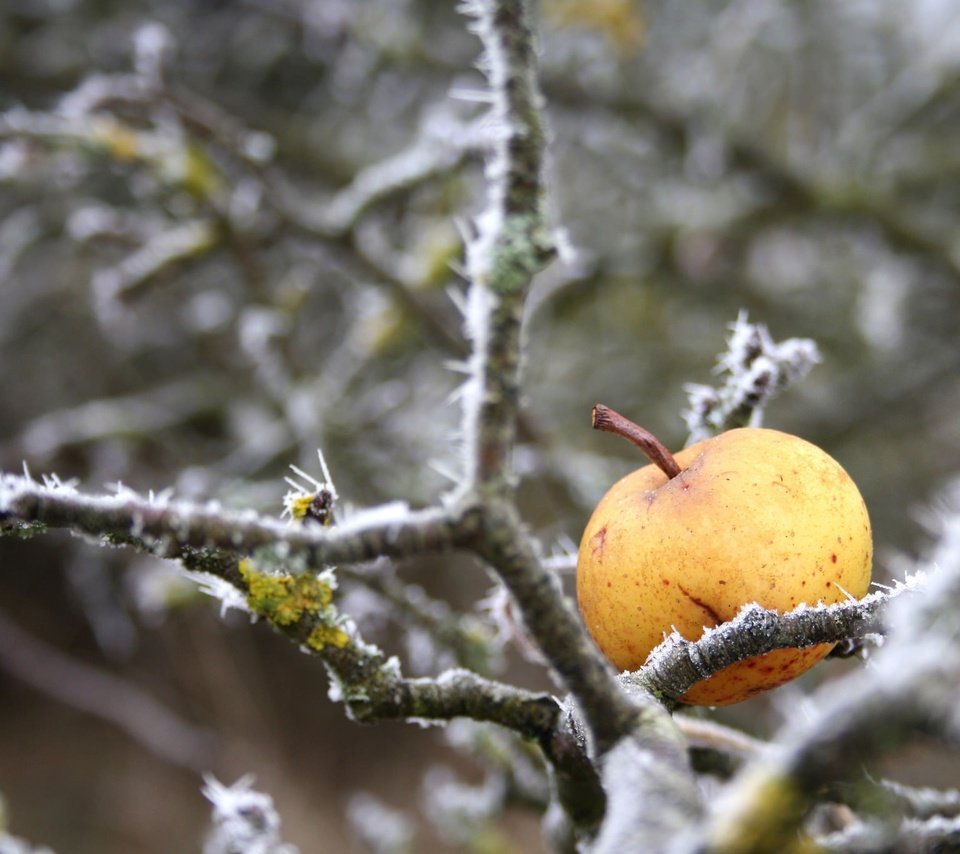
(753, 370)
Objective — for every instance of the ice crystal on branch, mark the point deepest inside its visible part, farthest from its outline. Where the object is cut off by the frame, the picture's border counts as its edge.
(753, 370)
(315, 501)
(243, 820)
(219, 588)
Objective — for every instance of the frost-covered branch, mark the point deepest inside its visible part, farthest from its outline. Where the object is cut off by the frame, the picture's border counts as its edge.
(628, 735)
(373, 688)
(441, 147)
(511, 245)
(922, 801)
(207, 542)
(461, 693)
(243, 820)
(371, 684)
(909, 689)
(512, 242)
(934, 834)
(165, 527)
(753, 370)
(677, 664)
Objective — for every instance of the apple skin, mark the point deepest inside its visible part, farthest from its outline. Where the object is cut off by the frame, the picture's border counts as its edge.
(755, 515)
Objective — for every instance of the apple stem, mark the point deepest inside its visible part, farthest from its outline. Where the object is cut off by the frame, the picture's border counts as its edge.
(609, 421)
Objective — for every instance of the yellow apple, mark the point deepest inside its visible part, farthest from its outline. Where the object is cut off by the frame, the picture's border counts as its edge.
(754, 515)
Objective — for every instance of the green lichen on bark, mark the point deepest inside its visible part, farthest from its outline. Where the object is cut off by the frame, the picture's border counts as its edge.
(522, 248)
(21, 530)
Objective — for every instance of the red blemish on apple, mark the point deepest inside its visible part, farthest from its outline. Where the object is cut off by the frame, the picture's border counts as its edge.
(597, 543)
(717, 619)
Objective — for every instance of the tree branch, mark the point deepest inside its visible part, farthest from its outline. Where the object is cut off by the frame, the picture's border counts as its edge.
(512, 241)
(549, 619)
(922, 802)
(628, 734)
(372, 687)
(165, 527)
(909, 689)
(208, 541)
(754, 370)
(511, 245)
(678, 664)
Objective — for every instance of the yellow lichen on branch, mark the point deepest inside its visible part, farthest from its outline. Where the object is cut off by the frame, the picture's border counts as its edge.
(284, 599)
(324, 635)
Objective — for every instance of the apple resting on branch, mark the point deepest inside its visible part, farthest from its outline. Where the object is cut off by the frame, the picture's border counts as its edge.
(750, 515)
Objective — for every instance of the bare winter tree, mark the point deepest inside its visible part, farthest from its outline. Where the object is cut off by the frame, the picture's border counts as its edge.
(249, 295)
